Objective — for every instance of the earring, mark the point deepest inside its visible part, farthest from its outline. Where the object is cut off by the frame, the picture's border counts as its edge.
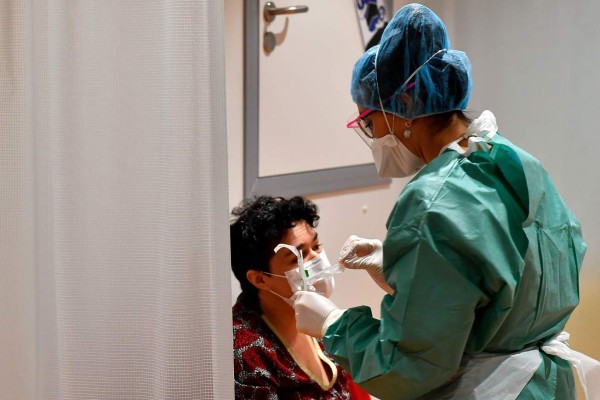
(407, 132)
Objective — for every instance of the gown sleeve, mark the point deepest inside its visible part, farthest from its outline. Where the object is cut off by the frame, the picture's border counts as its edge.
(419, 341)
(453, 263)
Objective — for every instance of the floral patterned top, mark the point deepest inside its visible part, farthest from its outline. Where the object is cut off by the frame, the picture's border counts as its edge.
(265, 369)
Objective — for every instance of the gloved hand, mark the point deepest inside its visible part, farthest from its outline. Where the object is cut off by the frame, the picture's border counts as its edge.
(359, 253)
(314, 313)
(367, 254)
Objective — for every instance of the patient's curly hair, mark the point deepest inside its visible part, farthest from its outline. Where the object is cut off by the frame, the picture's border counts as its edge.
(257, 226)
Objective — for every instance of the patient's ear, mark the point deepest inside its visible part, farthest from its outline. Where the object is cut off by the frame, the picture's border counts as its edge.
(257, 279)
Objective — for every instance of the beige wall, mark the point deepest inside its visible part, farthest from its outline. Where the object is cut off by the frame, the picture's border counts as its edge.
(584, 325)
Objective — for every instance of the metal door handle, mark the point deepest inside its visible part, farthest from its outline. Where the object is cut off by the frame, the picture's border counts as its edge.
(271, 10)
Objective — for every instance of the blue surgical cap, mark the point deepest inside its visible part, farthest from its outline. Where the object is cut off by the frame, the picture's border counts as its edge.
(413, 72)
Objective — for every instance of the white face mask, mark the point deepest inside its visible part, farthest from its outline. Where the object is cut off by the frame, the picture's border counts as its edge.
(319, 277)
(323, 286)
(393, 159)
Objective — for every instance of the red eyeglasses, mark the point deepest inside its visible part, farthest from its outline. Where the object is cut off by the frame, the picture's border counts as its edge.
(363, 128)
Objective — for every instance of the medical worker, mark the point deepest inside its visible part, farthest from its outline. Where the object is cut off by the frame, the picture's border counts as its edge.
(482, 255)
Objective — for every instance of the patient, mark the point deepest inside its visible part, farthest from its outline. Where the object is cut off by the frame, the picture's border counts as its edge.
(271, 359)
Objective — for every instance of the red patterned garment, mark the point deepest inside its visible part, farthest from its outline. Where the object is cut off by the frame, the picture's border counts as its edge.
(264, 369)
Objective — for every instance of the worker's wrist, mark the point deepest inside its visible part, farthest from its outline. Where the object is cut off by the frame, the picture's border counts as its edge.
(379, 279)
(333, 316)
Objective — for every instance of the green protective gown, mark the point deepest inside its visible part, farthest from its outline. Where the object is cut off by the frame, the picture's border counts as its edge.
(483, 256)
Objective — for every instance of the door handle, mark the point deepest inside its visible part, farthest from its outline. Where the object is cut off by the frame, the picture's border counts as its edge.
(271, 10)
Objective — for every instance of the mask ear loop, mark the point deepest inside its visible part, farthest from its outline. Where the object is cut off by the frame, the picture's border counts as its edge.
(300, 261)
(403, 85)
(379, 94)
(418, 69)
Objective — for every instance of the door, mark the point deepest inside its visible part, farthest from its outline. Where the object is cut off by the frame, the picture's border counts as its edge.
(298, 98)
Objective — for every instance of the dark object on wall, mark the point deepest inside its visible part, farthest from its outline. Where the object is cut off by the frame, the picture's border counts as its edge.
(376, 37)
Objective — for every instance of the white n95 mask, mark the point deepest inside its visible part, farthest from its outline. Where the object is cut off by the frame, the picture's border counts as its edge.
(393, 159)
(318, 275)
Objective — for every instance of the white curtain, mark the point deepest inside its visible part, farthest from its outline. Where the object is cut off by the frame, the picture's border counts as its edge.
(114, 239)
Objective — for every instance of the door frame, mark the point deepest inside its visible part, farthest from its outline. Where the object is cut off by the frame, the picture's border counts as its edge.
(299, 183)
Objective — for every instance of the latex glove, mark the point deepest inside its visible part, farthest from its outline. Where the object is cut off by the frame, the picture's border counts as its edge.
(314, 313)
(367, 254)
(359, 253)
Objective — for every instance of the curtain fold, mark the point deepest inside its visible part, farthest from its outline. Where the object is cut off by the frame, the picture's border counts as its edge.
(114, 240)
